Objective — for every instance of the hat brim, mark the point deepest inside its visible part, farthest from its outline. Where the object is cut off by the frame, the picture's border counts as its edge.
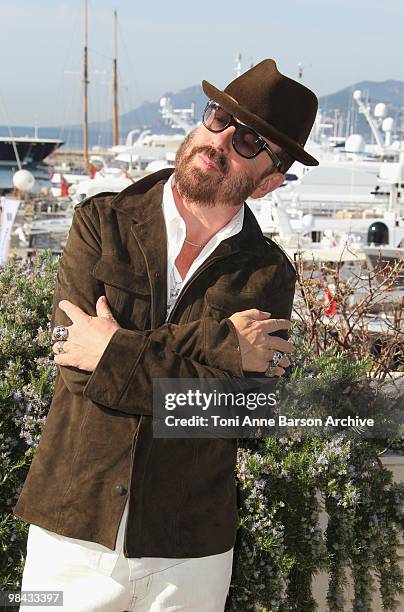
(262, 127)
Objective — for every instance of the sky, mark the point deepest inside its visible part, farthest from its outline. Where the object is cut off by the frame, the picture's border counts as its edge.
(165, 46)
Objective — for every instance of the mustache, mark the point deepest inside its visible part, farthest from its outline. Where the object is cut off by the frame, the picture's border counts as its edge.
(218, 158)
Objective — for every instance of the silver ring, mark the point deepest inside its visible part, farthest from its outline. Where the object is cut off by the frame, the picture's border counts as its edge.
(60, 332)
(276, 358)
(60, 347)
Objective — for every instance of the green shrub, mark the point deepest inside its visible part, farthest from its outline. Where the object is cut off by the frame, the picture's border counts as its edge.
(285, 482)
(26, 383)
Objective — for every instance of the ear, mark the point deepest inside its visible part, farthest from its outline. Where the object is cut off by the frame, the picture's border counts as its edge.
(269, 183)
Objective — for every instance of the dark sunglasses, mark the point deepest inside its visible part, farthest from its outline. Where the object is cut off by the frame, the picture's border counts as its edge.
(246, 142)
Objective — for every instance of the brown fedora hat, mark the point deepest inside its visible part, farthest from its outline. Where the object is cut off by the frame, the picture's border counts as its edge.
(274, 105)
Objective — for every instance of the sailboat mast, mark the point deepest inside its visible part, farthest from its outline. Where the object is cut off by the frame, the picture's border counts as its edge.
(115, 82)
(85, 83)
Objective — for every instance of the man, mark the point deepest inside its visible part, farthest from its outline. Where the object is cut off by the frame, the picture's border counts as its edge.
(170, 278)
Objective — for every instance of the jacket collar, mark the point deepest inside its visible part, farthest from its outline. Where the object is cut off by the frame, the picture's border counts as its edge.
(142, 202)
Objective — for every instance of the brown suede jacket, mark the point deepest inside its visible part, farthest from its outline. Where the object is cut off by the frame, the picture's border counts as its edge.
(97, 447)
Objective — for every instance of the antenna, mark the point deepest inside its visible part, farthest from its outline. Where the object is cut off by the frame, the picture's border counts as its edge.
(300, 70)
(365, 110)
(115, 81)
(85, 82)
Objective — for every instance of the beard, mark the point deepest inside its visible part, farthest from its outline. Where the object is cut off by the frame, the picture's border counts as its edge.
(209, 188)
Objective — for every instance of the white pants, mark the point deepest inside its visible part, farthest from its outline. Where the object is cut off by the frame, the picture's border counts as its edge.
(94, 578)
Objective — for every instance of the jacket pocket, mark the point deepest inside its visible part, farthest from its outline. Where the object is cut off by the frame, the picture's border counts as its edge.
(220, 304)
(127, 291)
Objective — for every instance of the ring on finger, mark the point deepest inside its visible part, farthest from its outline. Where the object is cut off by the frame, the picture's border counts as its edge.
(60, 347)
(60, 332)
(276, 359)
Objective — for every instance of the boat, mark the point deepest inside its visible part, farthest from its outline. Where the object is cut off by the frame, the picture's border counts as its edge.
(385, 238)
(28, 150)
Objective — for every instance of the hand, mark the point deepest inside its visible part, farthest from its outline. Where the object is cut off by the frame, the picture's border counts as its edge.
(256, 346)
(88, 337)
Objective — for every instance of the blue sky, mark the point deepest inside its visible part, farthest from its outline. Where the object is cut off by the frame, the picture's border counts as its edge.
(168, 45)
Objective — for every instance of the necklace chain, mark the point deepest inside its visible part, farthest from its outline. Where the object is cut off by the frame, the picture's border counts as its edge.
(194, 244)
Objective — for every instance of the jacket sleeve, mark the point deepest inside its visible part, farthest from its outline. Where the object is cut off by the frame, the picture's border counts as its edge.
(214, 344)
(172, 352)
(280, 300)
(75, 282)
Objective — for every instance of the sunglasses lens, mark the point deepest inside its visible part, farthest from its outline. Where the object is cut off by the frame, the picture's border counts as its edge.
(215, 118)
(246, 142)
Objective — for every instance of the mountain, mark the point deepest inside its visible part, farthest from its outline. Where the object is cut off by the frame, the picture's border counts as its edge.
(391, 92)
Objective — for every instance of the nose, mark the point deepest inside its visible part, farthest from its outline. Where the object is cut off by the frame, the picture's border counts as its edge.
(222, 140)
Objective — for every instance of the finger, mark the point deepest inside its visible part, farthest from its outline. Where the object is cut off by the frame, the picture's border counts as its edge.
(55, 348)
(267, 354)
(279, 344)
(64, 359)
(74, 313)
(255, 314)
(283, 362)
(102, 308)
(66, 346)
(275, 372)
(273, 325)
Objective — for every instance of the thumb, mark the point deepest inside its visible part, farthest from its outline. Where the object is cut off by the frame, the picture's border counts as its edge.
(102, 308)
